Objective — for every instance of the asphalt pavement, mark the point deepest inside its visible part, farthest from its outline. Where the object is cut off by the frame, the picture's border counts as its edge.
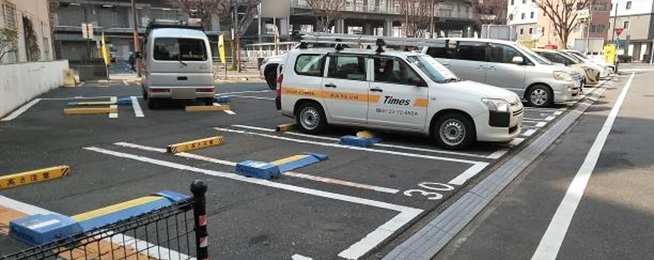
(358, 204)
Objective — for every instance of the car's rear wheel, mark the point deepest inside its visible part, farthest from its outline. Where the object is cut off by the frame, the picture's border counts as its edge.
(311, 118)
(540, 96)
(454, 131)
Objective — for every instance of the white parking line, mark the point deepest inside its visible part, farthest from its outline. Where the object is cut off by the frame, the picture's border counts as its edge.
(253, 97)
(81, 84)
(385, 145)
(557, 113)
(498, 154)
(228, 111)
(516, 141)
(125, 83)
(243, 92)
(550, 118)
(355, 251)
(529, 132)
(300, 257)
(533, 119)
(21, 110)
(448, 159)
(290, 174)
(541, 124)
(113, 100)
(549, 246)
(138, 112)
(469, 173)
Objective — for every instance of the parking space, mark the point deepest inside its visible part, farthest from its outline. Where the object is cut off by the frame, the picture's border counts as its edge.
(346, 206)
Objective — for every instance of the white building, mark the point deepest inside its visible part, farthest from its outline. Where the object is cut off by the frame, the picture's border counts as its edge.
(28, 15)
(635, 17)
(523, 14)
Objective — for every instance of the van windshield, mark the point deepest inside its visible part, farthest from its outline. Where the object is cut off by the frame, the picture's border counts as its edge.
(533, 55)
(179, 49)
(436, 71)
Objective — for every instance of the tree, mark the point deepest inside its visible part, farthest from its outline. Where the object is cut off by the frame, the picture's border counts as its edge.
(417, 16)
(31, 42)
(326, 11)
(563, 15)
(8, 41)
(490, 11)
(202, 9)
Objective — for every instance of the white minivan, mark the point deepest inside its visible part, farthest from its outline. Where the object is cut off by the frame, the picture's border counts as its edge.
(396, 91)
(177, 65)
(508, 65)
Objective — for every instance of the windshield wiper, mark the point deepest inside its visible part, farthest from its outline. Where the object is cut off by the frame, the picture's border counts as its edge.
(180, 61)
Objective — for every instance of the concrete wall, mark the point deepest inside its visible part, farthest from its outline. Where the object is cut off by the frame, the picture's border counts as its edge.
(22, 82)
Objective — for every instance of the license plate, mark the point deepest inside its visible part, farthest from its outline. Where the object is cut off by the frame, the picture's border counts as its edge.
(183, 93)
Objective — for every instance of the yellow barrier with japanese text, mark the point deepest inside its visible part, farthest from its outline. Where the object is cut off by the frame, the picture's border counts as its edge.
(609, 53)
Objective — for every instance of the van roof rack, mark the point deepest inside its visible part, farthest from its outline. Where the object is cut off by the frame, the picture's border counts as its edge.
(181, 24)
(369, 40)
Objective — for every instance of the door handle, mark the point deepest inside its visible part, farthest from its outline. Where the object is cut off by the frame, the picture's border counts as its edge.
(482, 67)
(376, 90)
(182, 78)
(446, 64)
(491, 68)
(330, 85)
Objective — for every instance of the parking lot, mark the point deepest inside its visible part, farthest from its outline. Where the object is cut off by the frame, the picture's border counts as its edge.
(349, 206)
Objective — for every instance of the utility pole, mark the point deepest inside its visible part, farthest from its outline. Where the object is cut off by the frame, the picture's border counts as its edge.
(588, 25)
(431, 20)
(137, 42)
(615, 17)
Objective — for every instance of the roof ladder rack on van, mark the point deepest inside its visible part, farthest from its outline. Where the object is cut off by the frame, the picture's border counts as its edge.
(365, 41)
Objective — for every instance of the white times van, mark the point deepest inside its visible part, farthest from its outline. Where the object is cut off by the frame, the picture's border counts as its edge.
(397, 91)
(177, 64)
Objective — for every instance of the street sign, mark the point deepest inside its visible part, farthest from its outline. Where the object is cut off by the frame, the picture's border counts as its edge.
(618, 31)
(583, 14)
(87, 31)
(275, 9)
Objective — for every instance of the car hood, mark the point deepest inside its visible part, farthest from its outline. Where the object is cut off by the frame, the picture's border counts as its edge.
(482, 90)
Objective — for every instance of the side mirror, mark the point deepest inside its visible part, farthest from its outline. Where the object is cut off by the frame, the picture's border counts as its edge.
(518, 60)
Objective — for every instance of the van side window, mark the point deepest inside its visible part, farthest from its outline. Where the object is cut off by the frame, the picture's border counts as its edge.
(395, 71)
(347, 67)
(474, 51)
(309, 65)
(172, 49)
(500, 53)
(440, 52)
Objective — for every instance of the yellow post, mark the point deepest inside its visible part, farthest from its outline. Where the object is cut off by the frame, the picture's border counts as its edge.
(609, 53)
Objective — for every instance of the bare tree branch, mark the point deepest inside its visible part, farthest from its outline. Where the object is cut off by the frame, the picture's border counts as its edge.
(326, 11)
(417, 16)
(563, 14)
(490, 11)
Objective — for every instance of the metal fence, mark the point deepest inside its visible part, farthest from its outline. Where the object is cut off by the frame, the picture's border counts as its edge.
(175, 232)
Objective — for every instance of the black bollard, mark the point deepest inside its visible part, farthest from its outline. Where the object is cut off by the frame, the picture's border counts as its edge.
(199, 189)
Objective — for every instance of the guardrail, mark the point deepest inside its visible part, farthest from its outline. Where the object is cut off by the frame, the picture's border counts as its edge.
(175, 232)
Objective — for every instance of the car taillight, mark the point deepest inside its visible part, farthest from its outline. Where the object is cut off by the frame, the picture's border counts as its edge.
(156, 90)
(204, 90)
(280, 79)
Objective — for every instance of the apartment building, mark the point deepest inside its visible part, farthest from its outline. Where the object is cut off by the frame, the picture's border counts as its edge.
(635, 17)
(523, 15)
(31, 20)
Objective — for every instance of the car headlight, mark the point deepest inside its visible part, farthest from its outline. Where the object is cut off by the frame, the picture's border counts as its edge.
(562, 75)
(494, 104)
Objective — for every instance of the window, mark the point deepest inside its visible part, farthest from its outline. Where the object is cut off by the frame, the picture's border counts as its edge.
(510, 17)
(440, 52)
(434, 70)
(522, 16)
(392, 70)
(309, 65)
(522, 31)
(531, 15)
(9, 14)
(503, 54)
(347, 67)
(473, 51)
(553, 57)
(628, 5)
(181, 49)
(524, 1)
(512, 2)
(625, 25)
(531, 30)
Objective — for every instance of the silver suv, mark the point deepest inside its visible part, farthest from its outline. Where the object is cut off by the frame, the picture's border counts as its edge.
(508, 65)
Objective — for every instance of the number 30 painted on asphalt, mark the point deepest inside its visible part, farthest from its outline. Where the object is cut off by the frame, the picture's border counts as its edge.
(432, 186)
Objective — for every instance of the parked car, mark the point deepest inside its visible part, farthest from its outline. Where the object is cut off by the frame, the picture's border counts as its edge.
(589, 75)
(605, 68)
(177, 64)
(394, 90)
(508, 65)
(269, 69)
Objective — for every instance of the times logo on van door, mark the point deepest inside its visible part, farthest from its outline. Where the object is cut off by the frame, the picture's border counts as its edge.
(390, 100)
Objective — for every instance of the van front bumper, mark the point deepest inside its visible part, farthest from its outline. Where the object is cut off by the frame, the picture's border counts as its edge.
(566, 91)
(498, 127)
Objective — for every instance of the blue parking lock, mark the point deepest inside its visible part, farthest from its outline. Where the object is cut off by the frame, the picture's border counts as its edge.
(358, 141)
(124, 101)
(222, 99)
(256, 169)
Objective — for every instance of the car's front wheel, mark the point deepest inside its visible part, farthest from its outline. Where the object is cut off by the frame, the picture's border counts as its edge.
(540, 96)
(311, 118)
(454, 131)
